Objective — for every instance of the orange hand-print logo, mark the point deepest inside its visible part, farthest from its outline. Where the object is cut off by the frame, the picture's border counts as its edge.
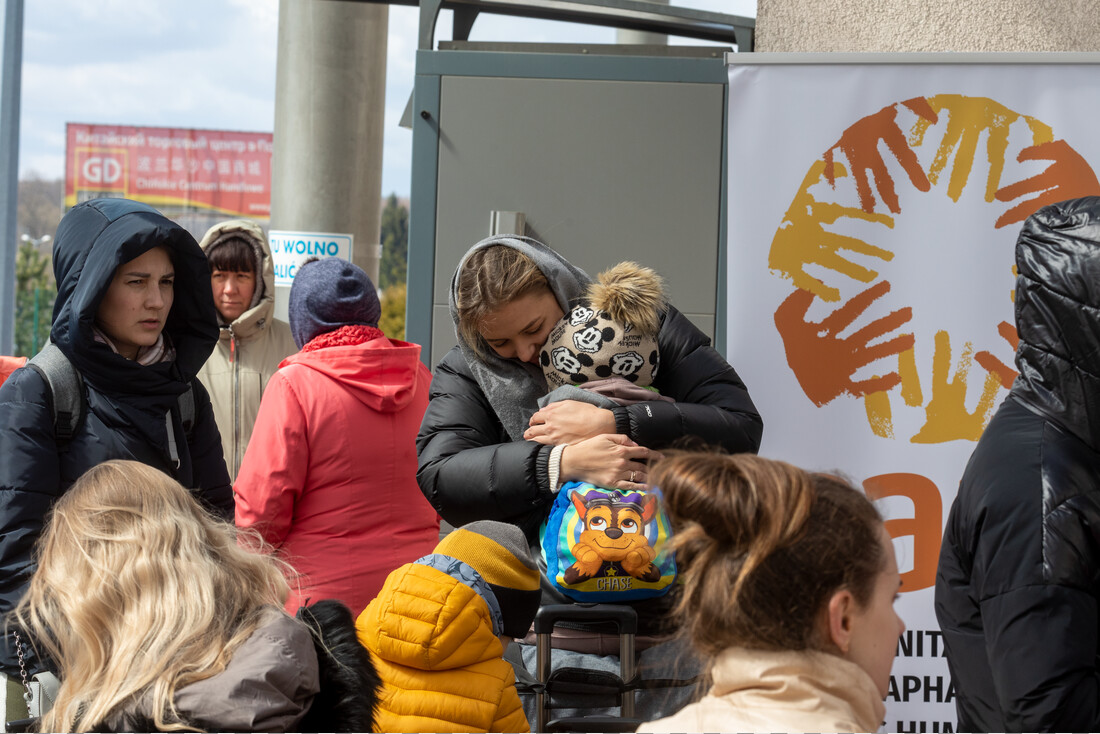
(808, 344)
(844, 331)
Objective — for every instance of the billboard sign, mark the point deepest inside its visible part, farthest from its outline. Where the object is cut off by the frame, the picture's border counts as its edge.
(220, 171)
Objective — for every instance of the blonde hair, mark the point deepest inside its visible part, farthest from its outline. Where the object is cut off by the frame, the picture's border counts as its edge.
(761, 546)
(630, 294)
(490, 278)
(139, 592)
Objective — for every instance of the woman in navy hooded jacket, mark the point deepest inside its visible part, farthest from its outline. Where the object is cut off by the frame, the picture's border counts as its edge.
(135, 317)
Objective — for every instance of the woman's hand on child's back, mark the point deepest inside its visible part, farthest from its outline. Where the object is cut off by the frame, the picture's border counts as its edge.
(569, 421)
(609, 460)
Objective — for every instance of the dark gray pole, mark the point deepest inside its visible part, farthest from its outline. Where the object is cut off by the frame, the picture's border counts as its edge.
(643, 38)
(10, 78)
(330, 97)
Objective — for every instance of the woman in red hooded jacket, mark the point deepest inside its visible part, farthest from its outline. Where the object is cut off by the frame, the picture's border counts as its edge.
(329, 477)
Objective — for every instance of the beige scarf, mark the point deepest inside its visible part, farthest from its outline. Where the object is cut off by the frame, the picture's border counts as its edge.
(162, 351)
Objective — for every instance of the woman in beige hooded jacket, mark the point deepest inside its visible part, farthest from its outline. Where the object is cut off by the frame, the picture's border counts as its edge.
(253, 342)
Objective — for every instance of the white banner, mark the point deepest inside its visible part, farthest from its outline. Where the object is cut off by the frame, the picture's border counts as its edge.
(873, 214)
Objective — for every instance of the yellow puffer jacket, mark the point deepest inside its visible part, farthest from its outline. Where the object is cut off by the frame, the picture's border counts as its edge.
(431, 637)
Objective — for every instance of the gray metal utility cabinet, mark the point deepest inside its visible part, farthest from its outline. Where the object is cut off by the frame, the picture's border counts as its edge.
(605, 153)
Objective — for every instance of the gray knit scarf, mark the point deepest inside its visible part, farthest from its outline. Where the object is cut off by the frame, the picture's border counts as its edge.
(511, 386)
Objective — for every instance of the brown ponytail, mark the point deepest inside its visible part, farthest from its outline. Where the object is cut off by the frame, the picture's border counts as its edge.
(761, 546)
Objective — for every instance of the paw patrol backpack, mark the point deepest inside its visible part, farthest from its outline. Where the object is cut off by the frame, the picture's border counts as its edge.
(608, 545)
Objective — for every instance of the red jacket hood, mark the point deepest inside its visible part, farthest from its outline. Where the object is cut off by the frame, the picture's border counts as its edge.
(383, 373)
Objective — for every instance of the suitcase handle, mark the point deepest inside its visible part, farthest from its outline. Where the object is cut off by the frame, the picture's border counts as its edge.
(625, 618)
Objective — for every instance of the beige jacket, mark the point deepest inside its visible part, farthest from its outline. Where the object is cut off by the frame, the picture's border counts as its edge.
(755, 690)
(249, 350)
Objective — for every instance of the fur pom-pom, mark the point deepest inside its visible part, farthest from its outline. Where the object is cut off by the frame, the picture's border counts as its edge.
(630, 294)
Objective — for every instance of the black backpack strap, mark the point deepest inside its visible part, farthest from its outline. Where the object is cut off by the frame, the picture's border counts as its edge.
(64, 390)
(187, 411)
(65, 393)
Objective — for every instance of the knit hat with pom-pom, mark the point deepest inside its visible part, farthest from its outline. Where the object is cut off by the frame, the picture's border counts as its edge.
(500, 554)
(612, 334)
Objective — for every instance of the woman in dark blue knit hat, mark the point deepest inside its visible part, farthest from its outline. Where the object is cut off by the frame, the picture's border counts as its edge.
(329, 477)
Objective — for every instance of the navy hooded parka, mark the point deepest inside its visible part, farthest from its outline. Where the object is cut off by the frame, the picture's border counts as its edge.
(127, 403)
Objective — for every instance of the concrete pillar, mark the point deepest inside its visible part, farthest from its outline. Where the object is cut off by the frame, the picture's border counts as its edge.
(10, 76)
(929, 25)
(642, 38)
(329, 106)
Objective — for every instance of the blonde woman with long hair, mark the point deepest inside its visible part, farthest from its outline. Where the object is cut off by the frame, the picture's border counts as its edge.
(159, 620)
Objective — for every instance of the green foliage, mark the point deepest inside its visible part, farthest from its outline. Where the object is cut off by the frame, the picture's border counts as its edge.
(395, 245)
(34, 297)
(392, 321)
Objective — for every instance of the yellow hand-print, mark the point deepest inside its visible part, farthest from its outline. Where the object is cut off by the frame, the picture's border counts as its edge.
(803, 240)
(967, 119)
(947, 418)
(880, 417)
(910, 378)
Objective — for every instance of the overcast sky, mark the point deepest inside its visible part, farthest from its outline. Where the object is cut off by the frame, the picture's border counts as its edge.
(211, 64)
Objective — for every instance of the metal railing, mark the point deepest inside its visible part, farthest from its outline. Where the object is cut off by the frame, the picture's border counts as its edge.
(638, 15)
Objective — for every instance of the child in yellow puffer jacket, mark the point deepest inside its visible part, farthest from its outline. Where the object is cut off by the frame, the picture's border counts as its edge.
(438, 629)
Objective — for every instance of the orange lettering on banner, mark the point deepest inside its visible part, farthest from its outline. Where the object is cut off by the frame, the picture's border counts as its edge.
(925, 526)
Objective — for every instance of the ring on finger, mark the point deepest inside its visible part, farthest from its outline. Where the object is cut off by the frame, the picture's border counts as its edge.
(632, 474)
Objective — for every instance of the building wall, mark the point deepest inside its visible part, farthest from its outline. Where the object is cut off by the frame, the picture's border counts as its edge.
(927, 25)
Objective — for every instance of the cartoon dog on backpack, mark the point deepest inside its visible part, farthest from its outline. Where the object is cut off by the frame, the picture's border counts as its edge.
(614, 533)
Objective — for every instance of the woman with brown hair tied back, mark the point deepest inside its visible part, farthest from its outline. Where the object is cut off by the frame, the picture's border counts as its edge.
(789, 580)
(487, 450)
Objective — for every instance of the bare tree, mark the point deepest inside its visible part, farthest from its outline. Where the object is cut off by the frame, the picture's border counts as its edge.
(41, 204)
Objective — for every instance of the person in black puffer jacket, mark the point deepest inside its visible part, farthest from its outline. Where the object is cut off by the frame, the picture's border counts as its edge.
(135, 356)
(486, 451)
(1018, 584)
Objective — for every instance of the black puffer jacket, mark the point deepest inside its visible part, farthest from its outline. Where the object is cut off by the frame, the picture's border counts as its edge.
(126, 402)
(1018, 585)
(470, 470)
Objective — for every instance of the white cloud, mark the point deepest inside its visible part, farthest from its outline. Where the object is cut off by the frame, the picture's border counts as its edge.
(211, 64)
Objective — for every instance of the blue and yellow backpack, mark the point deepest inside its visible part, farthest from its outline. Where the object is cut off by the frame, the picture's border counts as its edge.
(608, 545)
